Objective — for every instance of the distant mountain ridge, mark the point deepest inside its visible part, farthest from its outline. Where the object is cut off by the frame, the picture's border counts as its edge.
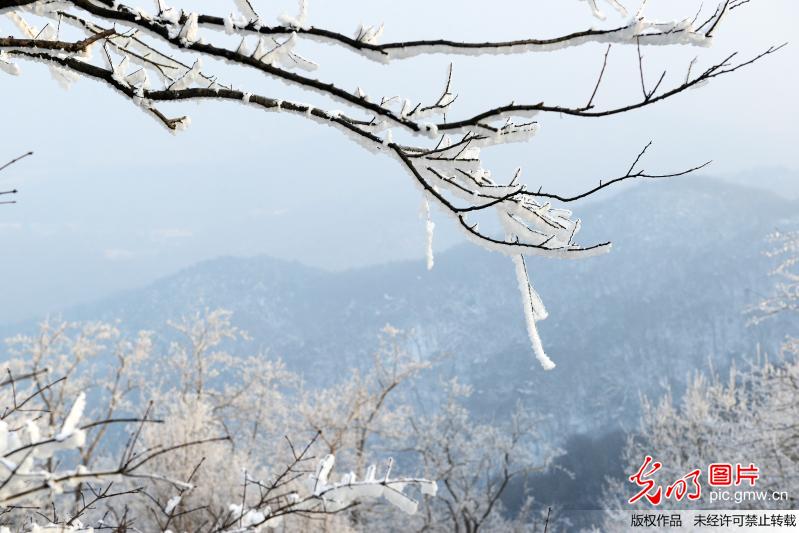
(779, 180)
(668, 299)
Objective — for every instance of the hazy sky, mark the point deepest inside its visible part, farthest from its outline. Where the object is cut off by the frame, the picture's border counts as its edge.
(111, 200)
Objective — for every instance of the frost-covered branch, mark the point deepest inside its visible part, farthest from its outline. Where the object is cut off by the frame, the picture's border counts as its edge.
(32, 450)
(165, 467)
(476, 463)
(748, 416)
(324, 496)
(10, 192)
(155, 56)
(364, 41)
(785, 298)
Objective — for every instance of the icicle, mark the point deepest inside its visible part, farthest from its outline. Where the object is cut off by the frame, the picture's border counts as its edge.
(173, 502)
(618, 7)
(595, 10)
(33, 432)
(429, 227)
(3, 437)
(429, 488)
(388, 469)
(262, 50)
(243, 49)
(230, 25)
(246, 9)
(299, 21)
(189, 78)
(28, 30)
(191, 31)
(120, 71)
(139, 79)
(323, 471)
(71, 422)
(406, 108)
(7, 66)
(368, 34)
(372, 35)
(533, 311)
(171, 15)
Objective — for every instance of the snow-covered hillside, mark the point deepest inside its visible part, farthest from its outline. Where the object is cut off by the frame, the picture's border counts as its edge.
(668, 299)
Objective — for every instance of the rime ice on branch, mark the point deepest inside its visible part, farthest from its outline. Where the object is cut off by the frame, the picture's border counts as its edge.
(326, 496)
(10, 192)
(178, 463)
(141, 52)
(785, 249)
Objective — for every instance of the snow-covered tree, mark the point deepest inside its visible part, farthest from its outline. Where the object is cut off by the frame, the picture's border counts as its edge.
(785, 248)
(55, 463)
(157, 54)
(177, 432)
(475, 464)
(371, 407)
(748, 418)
